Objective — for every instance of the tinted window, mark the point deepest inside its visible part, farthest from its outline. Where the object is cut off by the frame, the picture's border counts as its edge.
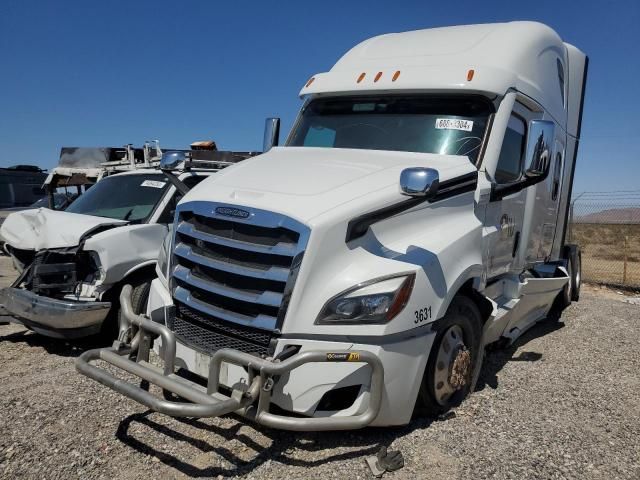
(557, 173)
(420, 123)
(124, 197)
(510, 162)
(561, 78)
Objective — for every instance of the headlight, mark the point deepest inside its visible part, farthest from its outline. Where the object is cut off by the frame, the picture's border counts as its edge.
(378, 301)
(162, 267)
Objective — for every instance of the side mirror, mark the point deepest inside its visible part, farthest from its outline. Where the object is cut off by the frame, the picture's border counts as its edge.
(419, 182)
(271, 134)
(539, 148)
(172, 160)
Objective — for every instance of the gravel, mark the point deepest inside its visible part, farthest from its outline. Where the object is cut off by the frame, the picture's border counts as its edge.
(564, 402)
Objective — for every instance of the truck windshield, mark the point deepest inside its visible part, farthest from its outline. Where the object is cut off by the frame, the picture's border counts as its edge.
(417, 123)
(123, 197)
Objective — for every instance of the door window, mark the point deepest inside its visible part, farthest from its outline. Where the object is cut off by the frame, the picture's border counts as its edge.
(509, 167)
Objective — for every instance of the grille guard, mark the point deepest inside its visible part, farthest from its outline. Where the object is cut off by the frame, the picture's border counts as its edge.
(252, 402)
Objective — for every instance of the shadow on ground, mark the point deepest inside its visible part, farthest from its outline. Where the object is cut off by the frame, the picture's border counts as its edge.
(360, 443)
(54, 346)
(496, 358)
(282, 446)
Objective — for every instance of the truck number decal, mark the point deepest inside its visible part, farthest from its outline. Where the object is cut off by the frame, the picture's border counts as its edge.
(422, 315)
(454, 124)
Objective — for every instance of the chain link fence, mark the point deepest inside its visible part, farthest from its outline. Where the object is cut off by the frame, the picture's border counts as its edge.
(606, 225)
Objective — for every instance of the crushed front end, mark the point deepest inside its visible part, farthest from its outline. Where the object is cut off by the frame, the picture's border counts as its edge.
(54, 294)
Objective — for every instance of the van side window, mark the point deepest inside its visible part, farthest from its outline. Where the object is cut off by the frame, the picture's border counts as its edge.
(170, 209)
(509, 166)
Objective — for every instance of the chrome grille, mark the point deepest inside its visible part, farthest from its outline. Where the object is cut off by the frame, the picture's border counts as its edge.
(234, 271)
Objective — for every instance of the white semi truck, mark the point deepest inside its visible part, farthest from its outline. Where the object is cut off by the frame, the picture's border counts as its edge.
(416, 214)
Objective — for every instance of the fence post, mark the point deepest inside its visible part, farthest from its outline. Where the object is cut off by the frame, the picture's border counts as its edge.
(624, 269)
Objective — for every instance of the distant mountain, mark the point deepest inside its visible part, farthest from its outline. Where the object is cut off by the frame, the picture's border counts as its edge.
(613, 215)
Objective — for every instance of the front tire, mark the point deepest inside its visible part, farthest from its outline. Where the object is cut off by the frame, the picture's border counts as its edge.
(448, 376)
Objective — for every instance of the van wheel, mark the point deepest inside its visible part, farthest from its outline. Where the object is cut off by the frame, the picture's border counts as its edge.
(448, 376)
(139, 297)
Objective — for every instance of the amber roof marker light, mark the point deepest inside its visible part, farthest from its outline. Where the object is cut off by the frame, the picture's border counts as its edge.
(378, 75)
(309, 82)
(395, 76)
(361, 77)
(470, 75)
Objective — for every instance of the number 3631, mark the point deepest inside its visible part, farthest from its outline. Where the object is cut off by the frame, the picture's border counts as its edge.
(422, 315)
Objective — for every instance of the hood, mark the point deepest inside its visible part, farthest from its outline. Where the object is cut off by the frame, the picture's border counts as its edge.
(43, 228)
(305, 182)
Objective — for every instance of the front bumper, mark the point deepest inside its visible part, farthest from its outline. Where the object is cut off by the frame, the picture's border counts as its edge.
(251, 400)
(53, 317)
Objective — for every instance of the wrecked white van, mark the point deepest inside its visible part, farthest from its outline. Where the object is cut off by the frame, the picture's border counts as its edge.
(73, 263)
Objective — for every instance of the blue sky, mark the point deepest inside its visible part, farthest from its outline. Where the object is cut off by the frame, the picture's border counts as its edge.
(82, 73)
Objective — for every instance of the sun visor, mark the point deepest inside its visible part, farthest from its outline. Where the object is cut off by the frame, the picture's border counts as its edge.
(471, 79)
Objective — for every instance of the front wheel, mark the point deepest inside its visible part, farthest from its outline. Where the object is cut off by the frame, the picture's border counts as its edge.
(448, 376)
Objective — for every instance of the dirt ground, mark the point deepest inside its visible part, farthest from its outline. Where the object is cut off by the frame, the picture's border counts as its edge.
(564, 402)
(604, 250)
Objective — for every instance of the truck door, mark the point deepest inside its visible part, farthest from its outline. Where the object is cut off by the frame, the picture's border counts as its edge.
(504, 214)
(544, 211)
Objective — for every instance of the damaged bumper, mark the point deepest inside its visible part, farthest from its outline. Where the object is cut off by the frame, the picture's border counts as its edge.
(251, 400)
(53, 317)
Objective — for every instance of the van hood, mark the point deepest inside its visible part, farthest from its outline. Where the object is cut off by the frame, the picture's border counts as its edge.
(42, 228)
(305, 182)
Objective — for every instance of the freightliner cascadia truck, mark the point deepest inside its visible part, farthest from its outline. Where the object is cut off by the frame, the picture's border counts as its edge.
(355, 275)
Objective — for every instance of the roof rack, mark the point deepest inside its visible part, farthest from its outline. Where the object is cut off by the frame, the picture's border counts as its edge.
(213, 159)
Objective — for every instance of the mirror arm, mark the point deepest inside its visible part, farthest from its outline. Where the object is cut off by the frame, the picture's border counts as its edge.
(498, 191)
(179, 184)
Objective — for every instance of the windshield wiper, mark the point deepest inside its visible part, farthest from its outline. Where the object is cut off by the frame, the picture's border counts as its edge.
(126, 217)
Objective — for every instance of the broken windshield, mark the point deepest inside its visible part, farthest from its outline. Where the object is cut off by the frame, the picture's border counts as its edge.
(414, 123)
(122, 197)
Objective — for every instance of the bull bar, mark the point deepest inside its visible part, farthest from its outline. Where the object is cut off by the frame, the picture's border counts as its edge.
(130, 353)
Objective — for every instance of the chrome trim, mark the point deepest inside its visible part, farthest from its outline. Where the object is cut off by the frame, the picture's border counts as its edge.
(419, 182)
(271, 299)
(279, 274)
(261, 321)
(279, 249)
(51, 313)
(259, 218)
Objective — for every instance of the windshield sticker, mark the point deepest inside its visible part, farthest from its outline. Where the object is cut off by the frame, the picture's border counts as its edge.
(454, 124)
(152, 183)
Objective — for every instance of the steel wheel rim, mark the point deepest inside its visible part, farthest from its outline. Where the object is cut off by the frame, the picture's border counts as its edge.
(451, 344)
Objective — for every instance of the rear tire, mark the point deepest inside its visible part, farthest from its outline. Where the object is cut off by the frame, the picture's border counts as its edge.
(577, 274)
(448, 376)
(571, 291)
